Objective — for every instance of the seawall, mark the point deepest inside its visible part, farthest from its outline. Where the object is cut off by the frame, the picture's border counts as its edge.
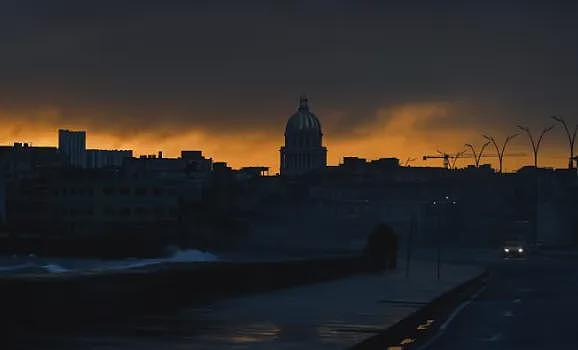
(94, 296)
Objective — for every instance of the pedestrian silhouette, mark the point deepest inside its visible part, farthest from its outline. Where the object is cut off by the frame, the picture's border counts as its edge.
(381, 249)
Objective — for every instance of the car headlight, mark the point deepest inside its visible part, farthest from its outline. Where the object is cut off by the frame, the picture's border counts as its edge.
(520, 250)
(507, 250)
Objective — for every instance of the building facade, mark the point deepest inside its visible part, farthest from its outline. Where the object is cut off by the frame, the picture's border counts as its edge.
(2, 200)
(303, 150)
(23, 159)
(72, 144)
(99, 158)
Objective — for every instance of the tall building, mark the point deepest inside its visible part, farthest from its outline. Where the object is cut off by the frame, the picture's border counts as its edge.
(303, 150)
(73, 145)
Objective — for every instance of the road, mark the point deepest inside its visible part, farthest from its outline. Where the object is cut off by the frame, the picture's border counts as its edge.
(329, 315)
(531, 304)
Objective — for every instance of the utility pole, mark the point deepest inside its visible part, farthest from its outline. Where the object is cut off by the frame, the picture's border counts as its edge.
(477, 156)
(438, 240)
(535, 145)
(439, 250)
(441, 209)
(571, 138)
(412, 227)
(500, 151)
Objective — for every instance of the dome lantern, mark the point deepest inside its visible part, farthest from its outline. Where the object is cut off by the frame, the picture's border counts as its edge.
(303, 103)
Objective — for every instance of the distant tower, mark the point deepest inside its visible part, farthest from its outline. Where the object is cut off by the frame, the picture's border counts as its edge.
(303, 150)
(73, 145)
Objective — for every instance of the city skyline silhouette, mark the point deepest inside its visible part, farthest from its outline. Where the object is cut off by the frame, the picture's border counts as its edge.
(387, 79)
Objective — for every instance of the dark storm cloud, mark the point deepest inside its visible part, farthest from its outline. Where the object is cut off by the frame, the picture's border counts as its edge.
(238, 65)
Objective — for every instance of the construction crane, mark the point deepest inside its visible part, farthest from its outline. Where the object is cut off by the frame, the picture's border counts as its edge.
(447, 158)
(450, 159)
(409, 160)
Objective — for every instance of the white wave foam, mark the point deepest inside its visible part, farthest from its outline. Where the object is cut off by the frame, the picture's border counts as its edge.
(15, 267)
(179, 256)
(62, 265)
(53, 268)
(191, 255)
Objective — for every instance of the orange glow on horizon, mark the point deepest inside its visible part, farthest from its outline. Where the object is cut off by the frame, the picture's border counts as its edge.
(406, 131)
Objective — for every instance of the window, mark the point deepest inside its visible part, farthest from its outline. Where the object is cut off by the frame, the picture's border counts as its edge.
(108, 211)
(140, 191)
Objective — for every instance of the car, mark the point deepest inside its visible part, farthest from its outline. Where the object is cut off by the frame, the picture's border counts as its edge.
(514, 249)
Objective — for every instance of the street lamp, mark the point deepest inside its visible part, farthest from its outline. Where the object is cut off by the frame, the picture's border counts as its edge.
(571, 138)
(477, 156)
(441, 207)
(499, 151)
(535, 145)
(455, 159)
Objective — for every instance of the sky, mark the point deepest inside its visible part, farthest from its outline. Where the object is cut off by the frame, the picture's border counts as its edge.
(386, 79)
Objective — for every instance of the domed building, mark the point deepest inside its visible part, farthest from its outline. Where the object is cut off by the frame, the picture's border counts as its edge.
(303, 150)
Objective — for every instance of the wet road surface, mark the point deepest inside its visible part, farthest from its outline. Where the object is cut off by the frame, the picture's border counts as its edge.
(329, 315)
(529, 304)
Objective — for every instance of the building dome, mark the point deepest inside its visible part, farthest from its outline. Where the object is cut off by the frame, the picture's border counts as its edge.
(303, 119)
(303, 150)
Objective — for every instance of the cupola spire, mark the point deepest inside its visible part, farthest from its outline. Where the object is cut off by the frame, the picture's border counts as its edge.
(303, 102)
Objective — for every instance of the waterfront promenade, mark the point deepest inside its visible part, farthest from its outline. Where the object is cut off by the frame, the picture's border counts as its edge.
(328, 315)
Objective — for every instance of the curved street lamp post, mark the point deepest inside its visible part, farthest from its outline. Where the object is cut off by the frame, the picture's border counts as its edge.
(535, 144)
(477, 156)
(571, 138)
(500, 151)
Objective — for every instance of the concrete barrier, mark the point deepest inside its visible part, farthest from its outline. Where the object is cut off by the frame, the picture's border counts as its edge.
(417, 328)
